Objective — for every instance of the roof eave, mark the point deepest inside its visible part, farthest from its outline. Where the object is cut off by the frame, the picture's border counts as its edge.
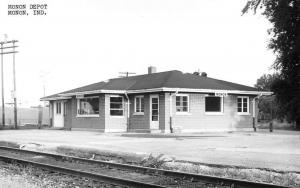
(54, 98)
(201, 91)
(165, 89)
(93, 92)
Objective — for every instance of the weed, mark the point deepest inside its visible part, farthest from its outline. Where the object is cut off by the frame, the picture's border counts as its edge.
(154, 162)
(258, 175)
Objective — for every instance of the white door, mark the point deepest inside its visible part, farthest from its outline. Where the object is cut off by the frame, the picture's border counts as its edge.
(154, 112)
(58, 114)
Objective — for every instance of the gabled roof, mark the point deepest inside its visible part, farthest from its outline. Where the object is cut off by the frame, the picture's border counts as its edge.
(169, 79)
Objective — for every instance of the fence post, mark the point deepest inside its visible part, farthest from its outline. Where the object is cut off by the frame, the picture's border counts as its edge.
(40, 116)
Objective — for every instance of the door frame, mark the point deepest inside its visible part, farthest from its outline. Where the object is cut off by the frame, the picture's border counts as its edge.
(58, 119)
(154, 125)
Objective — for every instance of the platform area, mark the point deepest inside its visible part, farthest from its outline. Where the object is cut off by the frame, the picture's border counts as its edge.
(279, 150)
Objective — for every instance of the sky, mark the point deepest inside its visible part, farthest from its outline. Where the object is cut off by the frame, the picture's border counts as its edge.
(79, 42)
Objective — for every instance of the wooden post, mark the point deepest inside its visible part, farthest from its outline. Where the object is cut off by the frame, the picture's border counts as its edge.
(253, 122)
(271, 122)
(40, 116)
(171, 125)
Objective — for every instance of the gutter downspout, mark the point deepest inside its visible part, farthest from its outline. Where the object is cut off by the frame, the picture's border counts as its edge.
(128, 110)
(171, 114)
(253, 112)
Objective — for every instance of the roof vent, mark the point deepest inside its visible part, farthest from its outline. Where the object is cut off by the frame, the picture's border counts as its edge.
(203, 74)
(151, 70)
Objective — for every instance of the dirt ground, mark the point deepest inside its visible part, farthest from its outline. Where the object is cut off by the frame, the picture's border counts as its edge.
(279, 150)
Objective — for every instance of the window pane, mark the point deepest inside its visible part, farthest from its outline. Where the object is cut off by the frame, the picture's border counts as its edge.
(245, 100)
(177, 99)
(239, 100)
(154, 106)
(154, 112)
(184, 98)
(239, 105)
(142, 104)
(185, 109)
(58, 108)
(116, 112)
(88, 106)
(245, 109)
(154, 118)
(212, 104)
(65, 108)
(137, 104)
(178, 109)
(116, 99)
(116, 105)
(154, 100)
(239, 109)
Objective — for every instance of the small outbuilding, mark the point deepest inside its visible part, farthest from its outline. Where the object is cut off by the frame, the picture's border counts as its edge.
(157, 102)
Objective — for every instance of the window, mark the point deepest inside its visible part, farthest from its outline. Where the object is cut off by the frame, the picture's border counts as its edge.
(58, 107)
(116, 106)
(65, 108)
(154, 108)
(139, 104)
(182, 103)
(213, 105)
(88, 106)
(243, 105)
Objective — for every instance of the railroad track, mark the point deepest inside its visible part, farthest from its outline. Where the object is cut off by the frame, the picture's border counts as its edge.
(122, 174)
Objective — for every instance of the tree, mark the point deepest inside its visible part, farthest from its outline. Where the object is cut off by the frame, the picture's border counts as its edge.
(268, 105)
(284, 15)
(265, 82)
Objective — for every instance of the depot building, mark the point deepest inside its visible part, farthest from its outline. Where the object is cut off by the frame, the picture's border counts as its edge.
(157, 102)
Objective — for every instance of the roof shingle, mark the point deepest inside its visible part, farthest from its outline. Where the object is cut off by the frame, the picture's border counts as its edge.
(168, 79)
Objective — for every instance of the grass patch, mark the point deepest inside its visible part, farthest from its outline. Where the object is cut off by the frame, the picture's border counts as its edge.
(18, 176)
(119, 157)
(257, 175)
(9, 144)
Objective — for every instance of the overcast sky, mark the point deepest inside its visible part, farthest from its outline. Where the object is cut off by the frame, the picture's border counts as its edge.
(81, 42)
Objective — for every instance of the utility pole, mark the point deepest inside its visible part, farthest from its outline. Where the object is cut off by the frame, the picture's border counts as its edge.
(2, 85)
(15, 88)
(8, 46)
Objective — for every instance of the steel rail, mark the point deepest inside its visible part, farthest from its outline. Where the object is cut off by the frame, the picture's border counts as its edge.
(81, 173)
(236, 183)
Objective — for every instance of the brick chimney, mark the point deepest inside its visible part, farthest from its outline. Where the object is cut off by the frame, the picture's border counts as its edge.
(151, 70)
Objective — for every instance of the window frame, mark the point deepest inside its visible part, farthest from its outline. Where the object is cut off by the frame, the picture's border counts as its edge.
(139, 97)
(117, 116)
(87, 115)
(188, 104)
(214, 113)
(248, 103)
